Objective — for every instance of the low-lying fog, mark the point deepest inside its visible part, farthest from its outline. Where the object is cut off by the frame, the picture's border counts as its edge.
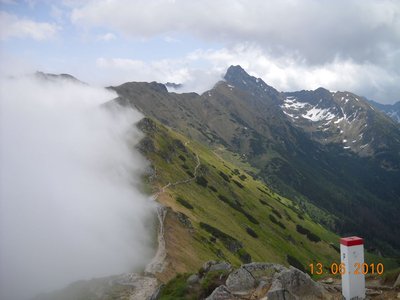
(70, 207)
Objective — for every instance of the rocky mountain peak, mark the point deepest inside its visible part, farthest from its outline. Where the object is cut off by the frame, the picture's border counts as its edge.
(236, 72)
(238, 77)
(323, 92)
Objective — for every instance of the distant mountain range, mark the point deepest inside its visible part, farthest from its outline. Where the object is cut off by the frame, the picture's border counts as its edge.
(392, 110)
(56, 77)
(333, 153)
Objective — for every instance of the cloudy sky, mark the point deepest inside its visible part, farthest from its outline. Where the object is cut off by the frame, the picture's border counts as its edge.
(291, 44)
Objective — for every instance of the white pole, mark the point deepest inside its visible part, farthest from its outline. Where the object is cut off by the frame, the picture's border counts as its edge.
(352, 258)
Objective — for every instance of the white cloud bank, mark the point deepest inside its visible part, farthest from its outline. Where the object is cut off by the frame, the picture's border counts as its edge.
(347, 45)
(12, 26)
(319, 31)
(70, 207)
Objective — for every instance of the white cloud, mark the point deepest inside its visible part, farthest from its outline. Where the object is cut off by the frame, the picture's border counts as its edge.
(317, 30)
(107, 37)
(11, 26)
(121, 70)
(71, 207)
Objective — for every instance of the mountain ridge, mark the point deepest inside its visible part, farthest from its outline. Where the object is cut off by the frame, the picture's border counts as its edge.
(58, 77)
(243, 115)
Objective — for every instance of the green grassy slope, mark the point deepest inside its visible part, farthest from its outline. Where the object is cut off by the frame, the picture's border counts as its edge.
(234, 217)
(247, 216)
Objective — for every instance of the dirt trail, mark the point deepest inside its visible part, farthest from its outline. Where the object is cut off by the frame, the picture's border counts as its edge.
(157, 264)
(146, 285)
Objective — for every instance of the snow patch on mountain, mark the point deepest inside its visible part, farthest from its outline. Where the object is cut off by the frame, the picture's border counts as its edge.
(318, 114)
(338, 121)
(292, 103)
(291, 106)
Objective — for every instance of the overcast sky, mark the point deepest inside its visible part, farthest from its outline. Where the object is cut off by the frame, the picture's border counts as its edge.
(291, 45)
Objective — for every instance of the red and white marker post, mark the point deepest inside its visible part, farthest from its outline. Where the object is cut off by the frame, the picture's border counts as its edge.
(352, 258)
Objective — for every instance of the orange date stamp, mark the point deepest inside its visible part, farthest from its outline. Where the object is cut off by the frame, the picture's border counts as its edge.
(341, 268)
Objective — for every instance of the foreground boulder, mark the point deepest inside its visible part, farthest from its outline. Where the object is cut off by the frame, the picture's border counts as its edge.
(294, 284)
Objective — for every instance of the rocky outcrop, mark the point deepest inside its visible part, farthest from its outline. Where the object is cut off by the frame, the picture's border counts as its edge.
(261, 281)
(249, 276)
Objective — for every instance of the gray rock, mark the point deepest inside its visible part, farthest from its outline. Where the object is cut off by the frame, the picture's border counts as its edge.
(263, 270)
(221, 293)
(207, 265)
(213, 265)
(297, 283)
(240, 281)
(220, 266)
(194, 278)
